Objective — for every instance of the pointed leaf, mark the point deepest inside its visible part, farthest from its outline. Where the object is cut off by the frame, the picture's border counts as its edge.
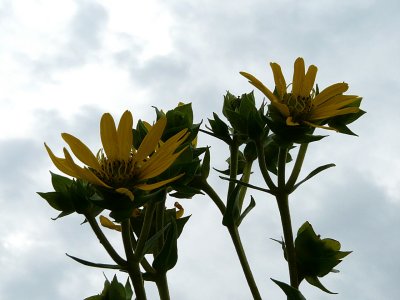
(312, 174)
(313, 280)
(291, 292)
(251, 205)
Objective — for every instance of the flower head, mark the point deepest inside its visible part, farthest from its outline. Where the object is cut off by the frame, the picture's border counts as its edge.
(303, 105)
(118, 165)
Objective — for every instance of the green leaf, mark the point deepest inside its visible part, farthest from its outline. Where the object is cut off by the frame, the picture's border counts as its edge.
(205, 167)
(95, 265)
(251, 205)
(313, 280)
(291, 292)
(312, 174)
(168, 256)
(220, 129)
(153, 240)
(232, 212)
(117, 290)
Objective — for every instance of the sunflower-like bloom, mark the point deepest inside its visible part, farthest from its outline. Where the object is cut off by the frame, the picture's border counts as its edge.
(118, 165)
(302, 105)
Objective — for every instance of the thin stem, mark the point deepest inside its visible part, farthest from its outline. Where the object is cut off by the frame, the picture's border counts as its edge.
(245, 179)
(133, 262)
(283, 205)
(162, 286)
(297, 166)
(213, 195)
(233, 231)
(145, 264)
(282, 198)
(144, 233)
(234, 149)
(263, 166)
(103, 240)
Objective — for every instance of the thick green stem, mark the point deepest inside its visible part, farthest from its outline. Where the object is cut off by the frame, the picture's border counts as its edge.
(233, 231)
(103, 240)
(282, 198)
(162, 286)
(133, 262)
(297, 166)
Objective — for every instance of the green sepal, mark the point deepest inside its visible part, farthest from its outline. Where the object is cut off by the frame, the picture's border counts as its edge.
(271, 151)
(312, 174)
(220, 129)
(241, 162)
(340, 122)
(114, 290)
(168, 256)
(291, 292)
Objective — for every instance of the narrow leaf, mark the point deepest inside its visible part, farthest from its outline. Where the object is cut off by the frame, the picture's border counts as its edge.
(312, 174)
(291, 292)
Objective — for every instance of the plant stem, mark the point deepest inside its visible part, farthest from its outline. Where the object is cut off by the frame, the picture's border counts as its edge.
(233, 166)
(162, 286)
(213, 195)
(282, 198)
(233, 231)
(133, 263)
(263, 166)
(103, 240)
(297, 166)
(144, 233)
(245, 179)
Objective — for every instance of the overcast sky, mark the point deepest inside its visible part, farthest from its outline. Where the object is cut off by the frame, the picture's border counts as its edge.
(63, 63)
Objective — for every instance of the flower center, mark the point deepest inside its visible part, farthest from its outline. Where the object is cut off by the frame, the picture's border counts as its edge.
(299, 106)
(116, 173)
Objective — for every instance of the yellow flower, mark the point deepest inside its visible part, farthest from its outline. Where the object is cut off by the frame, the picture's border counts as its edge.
(302, 105)
(118, 165)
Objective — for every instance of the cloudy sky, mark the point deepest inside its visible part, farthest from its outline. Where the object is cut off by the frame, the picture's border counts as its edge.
(64, 63)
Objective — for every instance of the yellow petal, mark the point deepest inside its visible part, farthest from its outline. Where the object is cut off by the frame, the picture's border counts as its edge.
(152, 186)
(309, 80)
(151, 140)
(126, 192)
(298, 76)
(60, 163)
(125, 136)
(105, 222)
(329, 92)
(109, 137)
(336, 112)
(81, 151)
(259, 85)
(280, 82)
(290, 122)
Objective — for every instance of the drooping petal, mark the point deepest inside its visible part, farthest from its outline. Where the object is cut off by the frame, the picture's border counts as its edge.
(283, 109)
(259, 85)
(126, 192)
(125, 136)
(298, 76)
(109, 137)
(290, 122)
(60, 163)
(105, 222)
(151, 140)
(280, 82)
(152, 186)
(329, 92)
(81, 151)
(308, 82)
(82, 173)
